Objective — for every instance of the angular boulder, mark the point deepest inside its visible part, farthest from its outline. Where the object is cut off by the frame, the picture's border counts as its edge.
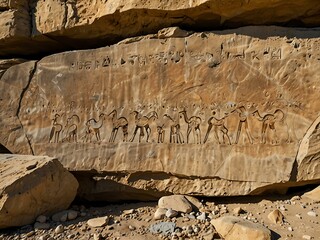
(235, 228)
(31, 186)
(177, 203)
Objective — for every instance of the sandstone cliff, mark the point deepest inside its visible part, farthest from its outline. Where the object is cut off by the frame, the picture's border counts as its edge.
(37, 27)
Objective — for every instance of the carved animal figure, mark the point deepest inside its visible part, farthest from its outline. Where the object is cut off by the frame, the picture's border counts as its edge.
(72, 128)
(56, 129)
(143, 122)
(243, 121)
(268, 122)
(93, 128)
(218, 126)
(193, 125)
(161, 133)
(117, 123)
(175, 133)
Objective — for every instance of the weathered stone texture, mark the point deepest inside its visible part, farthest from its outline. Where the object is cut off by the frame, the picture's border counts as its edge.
(31, 186)
(55, 25)
(214, 113)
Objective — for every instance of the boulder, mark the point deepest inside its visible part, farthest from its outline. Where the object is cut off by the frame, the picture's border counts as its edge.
(276, 217)
(98, 222)
(234, 228)
(160, 213)
(313, 195)
(31, 186)
(175, 202)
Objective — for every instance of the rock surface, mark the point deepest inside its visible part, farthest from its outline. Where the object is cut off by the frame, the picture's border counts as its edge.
(233, 228)
(42, 26)
(31, 186)
(214, 113)
(177, 203)
(313, 195)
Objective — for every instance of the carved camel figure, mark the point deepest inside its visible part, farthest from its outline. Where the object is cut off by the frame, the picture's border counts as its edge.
(193, 125)
(142, 122)
(175, 133)
(117, 123)
(56, 129)
(72, 128)
(219, 126)
(268, 121)
(93, 127)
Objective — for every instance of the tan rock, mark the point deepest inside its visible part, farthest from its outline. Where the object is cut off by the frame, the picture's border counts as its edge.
(177, 203)
(72, 20)
(276, 217)
(191, 119)
(172, 32)
(60, 216)
(233, 228)
(160, 213)
(313, 195)
(238, 211)
(98, 222)
(26, 194)
(196, 204)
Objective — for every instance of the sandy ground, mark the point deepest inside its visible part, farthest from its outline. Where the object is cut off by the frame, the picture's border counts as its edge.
(132, 221)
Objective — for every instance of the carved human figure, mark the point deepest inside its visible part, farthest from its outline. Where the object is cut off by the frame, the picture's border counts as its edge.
(71, 128)
(175, 133)
(143, 122)
(268, 122)
(93, 128)
(117, 123)
(161, 133)
(193, 126)
(218, 126)
(243, 122)
(56, 129)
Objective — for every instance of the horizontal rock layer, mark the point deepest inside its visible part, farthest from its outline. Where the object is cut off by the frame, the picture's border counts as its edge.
(37, 27)
(215, 114)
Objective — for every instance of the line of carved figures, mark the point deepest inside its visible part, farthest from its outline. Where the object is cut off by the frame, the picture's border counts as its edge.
(143, 122)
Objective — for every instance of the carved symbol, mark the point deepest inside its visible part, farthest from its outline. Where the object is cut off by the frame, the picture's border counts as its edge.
(93, 128)
(268, 121)
(117, 123)
(243, 120)
(161, 133)
(175, 134)
(56, 129)
(106, 62)
(72, 129)
(219, 126)
(193, 125)
(142, 122)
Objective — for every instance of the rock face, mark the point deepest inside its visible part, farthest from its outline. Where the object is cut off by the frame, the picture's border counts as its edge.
(215, 113)
(49, 26)
(31, 186)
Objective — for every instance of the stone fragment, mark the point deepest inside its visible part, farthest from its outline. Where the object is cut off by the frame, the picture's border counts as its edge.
(176, 202)
(130, 211)
(59, 229)
(202, 216)
(312, 214)
(276, 217)
(232, 228)
(160, 213)
(27, 194)
(164, 228)
(41, 219)
(313, 195)
(41, 226)
(60, 216)
(171, 213)
(98, 222)
(44, 237)
(307, 237)
(172, 32)
(72, 214)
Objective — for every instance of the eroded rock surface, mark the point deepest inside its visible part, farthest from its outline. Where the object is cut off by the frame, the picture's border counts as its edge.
(214, 113)
(31, 186)
(40, 26)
